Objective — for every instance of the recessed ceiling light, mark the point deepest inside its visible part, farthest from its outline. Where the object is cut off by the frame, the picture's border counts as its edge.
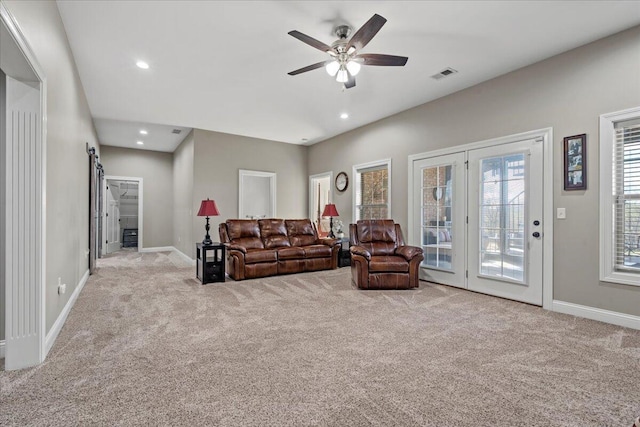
(142, 64)
(140, 143)
(344, 116)
(143, 132)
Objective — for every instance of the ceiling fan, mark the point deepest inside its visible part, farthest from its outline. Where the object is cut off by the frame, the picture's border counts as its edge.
(345, 60)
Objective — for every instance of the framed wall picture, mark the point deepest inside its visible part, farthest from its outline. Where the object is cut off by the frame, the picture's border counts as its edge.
(575, 162)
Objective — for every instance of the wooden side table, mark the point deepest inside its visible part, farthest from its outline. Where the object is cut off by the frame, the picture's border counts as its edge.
(210, 262)
(344, 256)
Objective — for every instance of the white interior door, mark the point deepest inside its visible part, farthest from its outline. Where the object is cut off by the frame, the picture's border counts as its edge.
(438, 187)
(113, 218)
(505, 207)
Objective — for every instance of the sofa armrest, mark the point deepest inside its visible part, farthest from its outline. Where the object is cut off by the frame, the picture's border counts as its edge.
(329, 241)
(409, 252)
(231, 247)
(359, 250)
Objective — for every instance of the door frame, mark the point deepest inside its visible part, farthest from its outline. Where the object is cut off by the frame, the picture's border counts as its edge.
(34, 304)
(312, 189)
(546, 135)
(139, 180)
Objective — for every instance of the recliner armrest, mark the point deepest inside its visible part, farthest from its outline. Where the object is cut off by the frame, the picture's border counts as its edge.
(231, 247)
(329, 241)
(409, 252)
(359, 250)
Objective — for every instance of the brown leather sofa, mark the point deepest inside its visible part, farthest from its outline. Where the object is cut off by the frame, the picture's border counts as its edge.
(379, 257)
(267, 247)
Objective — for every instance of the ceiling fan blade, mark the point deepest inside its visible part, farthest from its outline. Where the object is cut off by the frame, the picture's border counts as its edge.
(366, 32)
(307, 68)
(310, 41)
(384, 60)
(351, 82)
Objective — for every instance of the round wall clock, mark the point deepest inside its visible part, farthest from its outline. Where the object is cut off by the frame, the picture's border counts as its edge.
(342, 181)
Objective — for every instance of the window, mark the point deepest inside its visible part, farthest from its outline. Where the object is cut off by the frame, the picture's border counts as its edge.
(620, 197)
(372, 190)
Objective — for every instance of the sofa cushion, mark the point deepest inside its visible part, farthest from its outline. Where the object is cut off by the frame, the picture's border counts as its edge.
(260, 255)
(244, 232)
(290, 253)
(301, 232)
(273, 233)
(388, 264)
(317, 251)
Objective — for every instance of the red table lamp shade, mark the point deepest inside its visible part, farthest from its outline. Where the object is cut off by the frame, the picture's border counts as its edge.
(330, 210)
(208, 208)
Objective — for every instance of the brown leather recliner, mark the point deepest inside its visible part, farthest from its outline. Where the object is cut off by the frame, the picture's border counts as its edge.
(379, 257)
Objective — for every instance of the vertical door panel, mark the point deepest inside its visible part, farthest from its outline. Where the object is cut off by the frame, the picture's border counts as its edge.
(439, 219)
(505, 221)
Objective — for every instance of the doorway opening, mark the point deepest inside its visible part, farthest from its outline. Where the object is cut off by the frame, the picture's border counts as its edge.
(319, 196)
(122, 221)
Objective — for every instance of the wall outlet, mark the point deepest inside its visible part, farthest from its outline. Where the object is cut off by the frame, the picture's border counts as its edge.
(179, 239)
(62, 287)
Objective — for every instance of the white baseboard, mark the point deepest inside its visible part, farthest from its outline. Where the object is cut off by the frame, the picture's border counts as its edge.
(1, 349)
(158, 249)
(59, 323)
(170, 249)
(184, 256)
(613, 317)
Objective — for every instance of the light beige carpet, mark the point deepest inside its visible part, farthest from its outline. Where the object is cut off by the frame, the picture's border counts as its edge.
(146, 344)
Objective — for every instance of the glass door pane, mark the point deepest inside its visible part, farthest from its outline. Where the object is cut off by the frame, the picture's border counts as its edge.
(436, 212)
(502, 217)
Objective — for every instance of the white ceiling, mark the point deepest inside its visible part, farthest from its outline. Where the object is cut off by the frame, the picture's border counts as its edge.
(223, 65)
(126, 134)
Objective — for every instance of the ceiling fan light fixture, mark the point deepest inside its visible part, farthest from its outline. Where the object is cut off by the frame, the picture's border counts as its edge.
(332, 68)
(342, 75)
(353, 67)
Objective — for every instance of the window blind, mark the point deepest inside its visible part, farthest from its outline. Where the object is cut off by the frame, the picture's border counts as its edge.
(626, 200)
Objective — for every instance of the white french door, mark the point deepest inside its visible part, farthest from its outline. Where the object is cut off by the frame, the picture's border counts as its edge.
(505, 189)
(439, 188)
(478, 215)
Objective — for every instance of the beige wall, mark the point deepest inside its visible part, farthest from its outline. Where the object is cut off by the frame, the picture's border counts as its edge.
(567, 92)
(219, 156)
(69, 127)
(183, 213)
(156, 170)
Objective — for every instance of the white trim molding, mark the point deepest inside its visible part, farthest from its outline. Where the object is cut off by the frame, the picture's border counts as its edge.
(62, 317)
(606, 316)
(140, 182)
(608, 271)
(244, 173)
(356, 180)
(24, 348)
(170, 249)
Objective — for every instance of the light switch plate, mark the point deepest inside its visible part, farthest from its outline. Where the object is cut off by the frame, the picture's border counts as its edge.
(562, 213)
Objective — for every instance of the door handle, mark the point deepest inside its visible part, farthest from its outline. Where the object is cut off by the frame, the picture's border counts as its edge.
(536, 234)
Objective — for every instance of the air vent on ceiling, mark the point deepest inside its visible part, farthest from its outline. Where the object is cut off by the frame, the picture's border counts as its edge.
(444, 73)
(176, 131)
